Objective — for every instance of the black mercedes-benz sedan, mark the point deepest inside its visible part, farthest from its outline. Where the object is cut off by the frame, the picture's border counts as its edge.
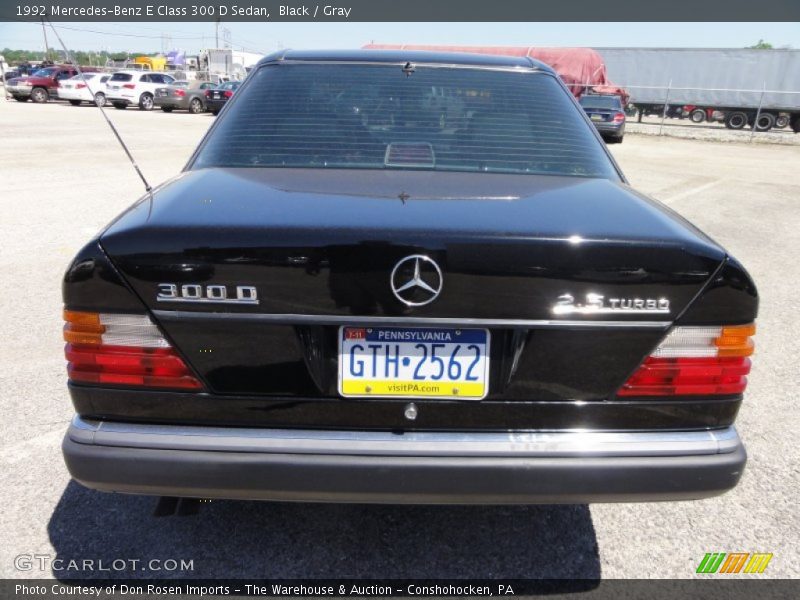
(405, 277)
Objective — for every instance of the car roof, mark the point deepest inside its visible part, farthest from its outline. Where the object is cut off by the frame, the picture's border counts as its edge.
(414, 56)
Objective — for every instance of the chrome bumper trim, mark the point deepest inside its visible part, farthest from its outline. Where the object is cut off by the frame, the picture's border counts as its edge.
(403, 321)
(415, 443)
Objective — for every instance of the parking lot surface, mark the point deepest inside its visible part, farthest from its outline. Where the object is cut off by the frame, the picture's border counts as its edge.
(64, 177)
(709, 131)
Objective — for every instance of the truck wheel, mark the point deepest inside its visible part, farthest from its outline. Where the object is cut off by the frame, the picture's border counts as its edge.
(145, 102)
(75, 102)
(196, 106)
(39, 95)
(698, 115)
(796, 123)
(782, 121)
(736, 120)
(765, 122)
(100, 99)
(120, 105)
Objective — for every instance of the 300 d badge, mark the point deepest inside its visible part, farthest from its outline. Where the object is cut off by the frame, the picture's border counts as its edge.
(217, 294)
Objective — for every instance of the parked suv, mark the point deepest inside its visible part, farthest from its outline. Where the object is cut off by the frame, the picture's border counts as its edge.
(135, 87)
(41, 85)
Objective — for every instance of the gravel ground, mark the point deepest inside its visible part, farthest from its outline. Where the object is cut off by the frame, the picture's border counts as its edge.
(715, 132)
(64, 177)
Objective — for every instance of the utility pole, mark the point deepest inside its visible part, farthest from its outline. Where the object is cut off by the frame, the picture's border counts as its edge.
(216, 33)
(46, 47)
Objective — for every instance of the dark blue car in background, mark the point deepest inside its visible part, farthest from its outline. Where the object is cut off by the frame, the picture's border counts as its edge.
(607, 114)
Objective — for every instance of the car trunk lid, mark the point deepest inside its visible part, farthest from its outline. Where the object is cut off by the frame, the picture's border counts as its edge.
(541, 261)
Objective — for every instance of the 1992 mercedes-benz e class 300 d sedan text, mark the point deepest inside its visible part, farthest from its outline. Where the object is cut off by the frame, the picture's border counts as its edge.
(405, 277)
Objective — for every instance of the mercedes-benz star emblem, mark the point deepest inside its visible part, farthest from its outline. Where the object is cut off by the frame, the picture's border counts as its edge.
(416, 280)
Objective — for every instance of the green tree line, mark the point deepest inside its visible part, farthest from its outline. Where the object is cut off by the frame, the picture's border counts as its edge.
(82, 57)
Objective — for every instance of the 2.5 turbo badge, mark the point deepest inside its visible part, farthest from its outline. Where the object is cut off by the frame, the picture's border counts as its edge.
(215, 294)
(599, 304)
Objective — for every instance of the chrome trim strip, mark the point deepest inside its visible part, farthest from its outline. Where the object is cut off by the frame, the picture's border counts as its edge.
(588, 444)
(290, 318)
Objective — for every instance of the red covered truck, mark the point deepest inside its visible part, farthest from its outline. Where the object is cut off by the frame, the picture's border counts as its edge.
(581, 69)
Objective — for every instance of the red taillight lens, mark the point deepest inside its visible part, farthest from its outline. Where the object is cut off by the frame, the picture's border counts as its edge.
(688, 377)
(228, 93)
(619, 117)
(129, 86)
(179, 92)
(208, 93)
(692, 361)
(128, 350)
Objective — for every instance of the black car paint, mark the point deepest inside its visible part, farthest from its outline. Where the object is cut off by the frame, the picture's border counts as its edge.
(321, 242)
(216, 99)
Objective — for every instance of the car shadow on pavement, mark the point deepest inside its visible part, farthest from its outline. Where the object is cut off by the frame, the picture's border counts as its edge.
(286, 540)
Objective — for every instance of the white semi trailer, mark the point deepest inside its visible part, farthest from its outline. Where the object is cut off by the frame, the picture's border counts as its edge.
(741, 87)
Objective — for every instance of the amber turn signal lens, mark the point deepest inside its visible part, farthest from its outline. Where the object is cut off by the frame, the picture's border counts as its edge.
(82, 320)
(735, 340)
(81, 337)
(82, 327)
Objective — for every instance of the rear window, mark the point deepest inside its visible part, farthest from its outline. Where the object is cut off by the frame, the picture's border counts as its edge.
(377, 117)
(121, 77)
(609, 102)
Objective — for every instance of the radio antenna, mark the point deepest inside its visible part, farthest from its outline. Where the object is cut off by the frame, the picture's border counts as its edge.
(136, 168)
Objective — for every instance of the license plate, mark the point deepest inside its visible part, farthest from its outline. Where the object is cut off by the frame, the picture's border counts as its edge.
(597, 117)
(413, 362)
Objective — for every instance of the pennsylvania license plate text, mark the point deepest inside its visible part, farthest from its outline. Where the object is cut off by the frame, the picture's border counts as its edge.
(413, 362)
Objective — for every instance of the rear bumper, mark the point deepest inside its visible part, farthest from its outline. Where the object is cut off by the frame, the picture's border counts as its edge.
(169, 102)
(81, 95)
(414, 467)
(215, 104)
(616, 129)
(118, 97)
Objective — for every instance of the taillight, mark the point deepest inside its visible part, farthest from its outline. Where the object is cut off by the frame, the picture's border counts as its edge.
(228, 93)
(208, 93)
(117, 349)
(129, 86)
(80, 86)
(619, 117)
(180, 92)
(691, 361)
